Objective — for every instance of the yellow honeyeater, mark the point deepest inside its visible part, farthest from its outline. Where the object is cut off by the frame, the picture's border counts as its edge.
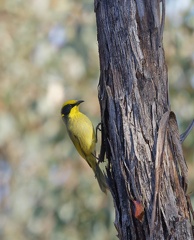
(82, 134)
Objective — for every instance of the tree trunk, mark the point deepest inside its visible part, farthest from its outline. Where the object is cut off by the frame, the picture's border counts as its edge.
(146, 173)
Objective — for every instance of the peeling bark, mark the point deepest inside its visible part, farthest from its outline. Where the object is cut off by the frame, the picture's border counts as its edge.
(139, 133)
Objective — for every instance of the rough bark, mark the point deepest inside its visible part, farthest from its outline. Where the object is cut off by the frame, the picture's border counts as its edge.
(147, 173)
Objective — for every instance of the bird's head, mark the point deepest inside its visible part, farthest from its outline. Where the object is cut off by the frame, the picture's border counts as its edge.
(71, 106)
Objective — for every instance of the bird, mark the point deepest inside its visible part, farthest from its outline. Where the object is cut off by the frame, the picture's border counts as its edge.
(82, 134)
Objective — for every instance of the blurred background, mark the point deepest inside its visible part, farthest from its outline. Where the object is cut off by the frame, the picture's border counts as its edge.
(48, 54)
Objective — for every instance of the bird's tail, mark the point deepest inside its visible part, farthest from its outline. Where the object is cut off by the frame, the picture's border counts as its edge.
(100, 178)
(98, 173)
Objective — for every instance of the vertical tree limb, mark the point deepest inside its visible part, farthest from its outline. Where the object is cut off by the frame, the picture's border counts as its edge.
(133, 96)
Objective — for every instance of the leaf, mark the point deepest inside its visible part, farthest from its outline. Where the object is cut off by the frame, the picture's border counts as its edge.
(138, 210)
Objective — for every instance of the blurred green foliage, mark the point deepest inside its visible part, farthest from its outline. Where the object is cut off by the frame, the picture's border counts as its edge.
(48, 53)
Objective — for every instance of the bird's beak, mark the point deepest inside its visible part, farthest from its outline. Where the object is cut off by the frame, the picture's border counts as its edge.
(78, 102)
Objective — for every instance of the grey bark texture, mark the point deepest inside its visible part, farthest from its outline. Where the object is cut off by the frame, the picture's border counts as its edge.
(140, 136)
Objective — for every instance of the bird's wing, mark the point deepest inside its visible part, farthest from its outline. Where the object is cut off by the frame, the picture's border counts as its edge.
(76, 141)
(80, 148)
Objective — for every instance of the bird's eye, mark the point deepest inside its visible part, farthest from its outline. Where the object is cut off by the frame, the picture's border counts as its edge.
(66, 109)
